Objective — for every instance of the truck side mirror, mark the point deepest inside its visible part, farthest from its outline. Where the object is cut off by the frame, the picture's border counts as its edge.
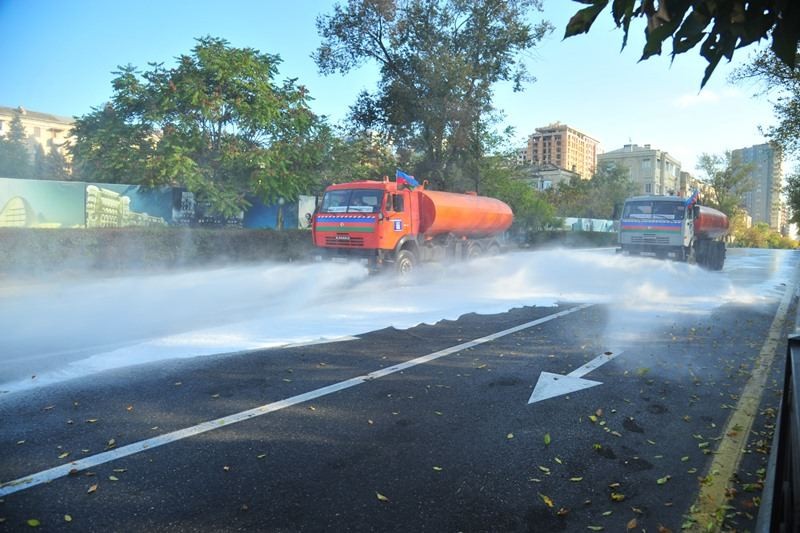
(695, 211)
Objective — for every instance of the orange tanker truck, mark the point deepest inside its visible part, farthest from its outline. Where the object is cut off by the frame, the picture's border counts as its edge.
(399, 224)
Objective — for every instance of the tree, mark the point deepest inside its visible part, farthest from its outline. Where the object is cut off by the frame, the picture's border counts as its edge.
(15, 160)
(783, 82)
(216, 123)
(439, 61)
(353, 156)
(502, 179)
(762, 236)
(734, 24)
(728, 180)
(792, 190)
(600, 197)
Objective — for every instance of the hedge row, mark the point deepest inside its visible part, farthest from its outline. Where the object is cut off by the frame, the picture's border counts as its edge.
(38, 251)
(26, 251)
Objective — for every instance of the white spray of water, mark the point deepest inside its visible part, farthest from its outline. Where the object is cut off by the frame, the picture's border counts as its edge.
(56, 332)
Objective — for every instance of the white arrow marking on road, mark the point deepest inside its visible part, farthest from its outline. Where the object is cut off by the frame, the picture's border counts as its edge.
(551, 385)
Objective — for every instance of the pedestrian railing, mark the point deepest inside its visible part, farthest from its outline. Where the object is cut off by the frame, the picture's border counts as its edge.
(780, 500)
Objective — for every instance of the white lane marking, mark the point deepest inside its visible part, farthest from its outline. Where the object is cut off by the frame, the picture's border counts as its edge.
(51, 474)
(550, 385)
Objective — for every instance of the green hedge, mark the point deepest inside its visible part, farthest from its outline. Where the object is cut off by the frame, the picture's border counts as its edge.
(35, 251)
(571, 239)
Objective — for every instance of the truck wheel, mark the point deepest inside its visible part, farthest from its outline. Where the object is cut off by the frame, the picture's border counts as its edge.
(405, 263)
(474, 251)
(493, 250)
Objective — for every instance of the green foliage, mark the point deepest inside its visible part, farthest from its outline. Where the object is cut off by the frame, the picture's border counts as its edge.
(15, 160)
(352, 157)
(762, 236)
(792, 190)
(733, 24)
(782, 84)
(439, 61)
(502, 180)
(728, 180)
(217, 123)
(600, 197)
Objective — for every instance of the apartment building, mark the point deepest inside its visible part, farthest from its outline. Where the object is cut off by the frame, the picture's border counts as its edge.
(43, 129)
(763, 202)
(564, 147)
(653, 170)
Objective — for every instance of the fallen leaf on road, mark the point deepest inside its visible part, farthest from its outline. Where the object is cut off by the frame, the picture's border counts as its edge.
(67, 518)
(663, 480)
(92, 489)
(111, 443)
(91, 421)
(20, 442)
(562, 511)
(576, 479)
(546, 499)
(662, 529)
(113, 478)
(631, 524)
(437, 468)
(129, 408)
(595, 528)
(261, 456)
(33, 522)
(510, 436)
(215, 395)
(617, 497)
(558, 460)
(63, 455)
(544, 469)
(49, 407)
(381, 497)
(547, 439)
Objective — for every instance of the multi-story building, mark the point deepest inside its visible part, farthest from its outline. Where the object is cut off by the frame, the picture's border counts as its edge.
(763, 202)
(564, 147)
(547, 176)
(48, 131)
(653, 170)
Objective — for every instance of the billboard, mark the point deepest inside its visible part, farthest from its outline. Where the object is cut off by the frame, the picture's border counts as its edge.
(41, 204)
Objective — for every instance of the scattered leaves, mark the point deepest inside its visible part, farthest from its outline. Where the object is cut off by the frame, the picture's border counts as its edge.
(64, 455)
(546, 499)
(547, 439)
(437, 468)
(33, 522)
(381, 497)
(510, 436)
(113, 478)
(631, 524)
(92, 489)
(617, 496)
(663, 480)
(576, 479)
(595, 528)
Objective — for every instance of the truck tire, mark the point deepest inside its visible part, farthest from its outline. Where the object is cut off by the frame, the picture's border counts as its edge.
(474, 251)
(405, 262)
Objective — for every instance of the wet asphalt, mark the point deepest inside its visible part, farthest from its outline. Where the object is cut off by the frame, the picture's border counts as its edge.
(449, 445)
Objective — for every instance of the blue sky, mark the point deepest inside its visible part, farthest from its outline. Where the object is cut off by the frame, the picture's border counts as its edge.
(58, 57)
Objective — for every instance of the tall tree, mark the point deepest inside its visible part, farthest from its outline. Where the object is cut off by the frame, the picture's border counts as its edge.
(734, 24)
(439, 61)
(217, 123)
(15, 160)
(777, 80)
(728, 179)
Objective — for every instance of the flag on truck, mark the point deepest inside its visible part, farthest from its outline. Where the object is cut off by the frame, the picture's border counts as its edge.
(692, 199)
(404, 179)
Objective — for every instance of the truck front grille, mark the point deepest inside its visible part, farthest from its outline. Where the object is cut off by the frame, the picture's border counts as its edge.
(351, 242)
(649, 238)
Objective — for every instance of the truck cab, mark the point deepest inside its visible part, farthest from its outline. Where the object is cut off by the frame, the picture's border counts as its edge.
(660, 226)
(363, 221)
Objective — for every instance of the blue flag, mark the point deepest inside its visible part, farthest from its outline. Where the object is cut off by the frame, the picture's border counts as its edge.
(403, 178)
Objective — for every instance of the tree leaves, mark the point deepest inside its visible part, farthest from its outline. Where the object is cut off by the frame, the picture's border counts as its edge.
(732, 26)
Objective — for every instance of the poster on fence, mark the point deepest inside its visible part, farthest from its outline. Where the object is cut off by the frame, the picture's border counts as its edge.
(41, 204)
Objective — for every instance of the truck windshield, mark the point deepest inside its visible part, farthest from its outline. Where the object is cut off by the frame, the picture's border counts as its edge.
(654, 209)
(352, 201)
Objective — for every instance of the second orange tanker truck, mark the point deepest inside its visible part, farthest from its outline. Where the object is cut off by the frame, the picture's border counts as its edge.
(397, 225)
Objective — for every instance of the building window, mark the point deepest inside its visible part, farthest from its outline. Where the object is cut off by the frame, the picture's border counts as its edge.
(37, 131)
(646, 164)
(648, 188)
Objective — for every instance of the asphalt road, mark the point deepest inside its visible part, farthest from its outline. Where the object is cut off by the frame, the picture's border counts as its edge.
(348, 441)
